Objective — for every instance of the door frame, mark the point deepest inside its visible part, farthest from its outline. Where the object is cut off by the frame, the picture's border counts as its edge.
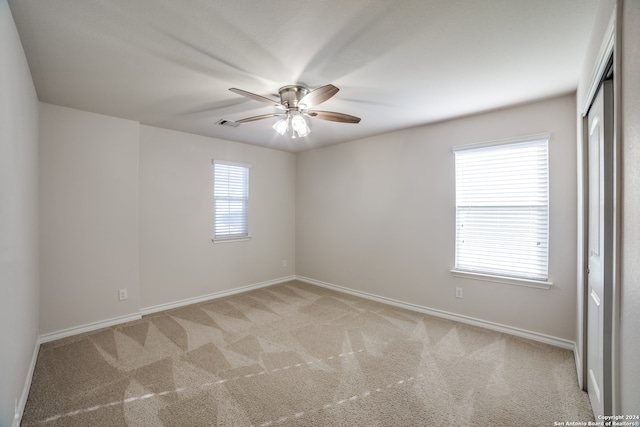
(606, 56)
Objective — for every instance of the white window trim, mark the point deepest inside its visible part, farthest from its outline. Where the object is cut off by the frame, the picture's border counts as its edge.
(539, 284)
(230, 239)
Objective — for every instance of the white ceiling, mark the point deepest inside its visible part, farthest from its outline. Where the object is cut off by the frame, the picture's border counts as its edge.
(398, 64)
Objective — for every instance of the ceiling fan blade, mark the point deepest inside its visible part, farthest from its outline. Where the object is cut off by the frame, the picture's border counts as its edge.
(333, 116)
(317, 96)
(263, 116)
(257, 98)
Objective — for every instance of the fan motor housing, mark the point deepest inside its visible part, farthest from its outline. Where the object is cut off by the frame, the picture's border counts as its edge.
(291, 95)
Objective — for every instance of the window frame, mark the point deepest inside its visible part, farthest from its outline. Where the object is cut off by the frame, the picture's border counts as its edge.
(494, 276)
(231, 237)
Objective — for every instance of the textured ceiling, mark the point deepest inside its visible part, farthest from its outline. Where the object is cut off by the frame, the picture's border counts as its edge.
(398, 64)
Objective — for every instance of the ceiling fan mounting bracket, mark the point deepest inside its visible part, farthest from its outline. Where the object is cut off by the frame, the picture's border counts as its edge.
(291, 95)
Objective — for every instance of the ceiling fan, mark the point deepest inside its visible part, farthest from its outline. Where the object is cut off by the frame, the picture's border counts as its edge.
(295, 103)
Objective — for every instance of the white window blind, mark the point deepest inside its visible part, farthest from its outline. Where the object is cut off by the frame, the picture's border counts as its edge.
(231, 200)
(502, 210)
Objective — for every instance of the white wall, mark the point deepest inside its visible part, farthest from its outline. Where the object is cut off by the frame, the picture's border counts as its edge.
(178, 260)
(378, 216)
(129, 206)
(630, 267)
(88, 217)
(18, 220)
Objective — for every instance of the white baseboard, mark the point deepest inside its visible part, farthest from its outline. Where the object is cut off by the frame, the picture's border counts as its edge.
(52, 336)
(27, 385)
(215, 295)
(535, 336)
(148, 310)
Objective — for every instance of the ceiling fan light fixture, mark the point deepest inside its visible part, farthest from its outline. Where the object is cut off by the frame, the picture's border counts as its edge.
(296, 101)
(282, 125)
(304, 132)
(299, 124)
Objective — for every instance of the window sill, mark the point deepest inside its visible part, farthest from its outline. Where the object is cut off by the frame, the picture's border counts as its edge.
(501, 279)
(231, 239)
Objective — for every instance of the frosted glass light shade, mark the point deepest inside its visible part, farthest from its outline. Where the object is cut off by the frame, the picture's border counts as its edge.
(281, 126)
(299, 124)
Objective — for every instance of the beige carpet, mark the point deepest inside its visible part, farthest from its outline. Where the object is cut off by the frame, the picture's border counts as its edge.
(297, 354)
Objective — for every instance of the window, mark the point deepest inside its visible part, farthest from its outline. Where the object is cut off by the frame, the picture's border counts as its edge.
(502, 209)
(231, 200)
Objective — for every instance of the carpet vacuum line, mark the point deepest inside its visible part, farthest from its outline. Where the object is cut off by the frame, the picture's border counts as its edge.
(202, 387)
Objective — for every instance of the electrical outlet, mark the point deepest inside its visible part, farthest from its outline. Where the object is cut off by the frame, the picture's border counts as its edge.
(458, 292)
(284, 262)
(122, 295)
